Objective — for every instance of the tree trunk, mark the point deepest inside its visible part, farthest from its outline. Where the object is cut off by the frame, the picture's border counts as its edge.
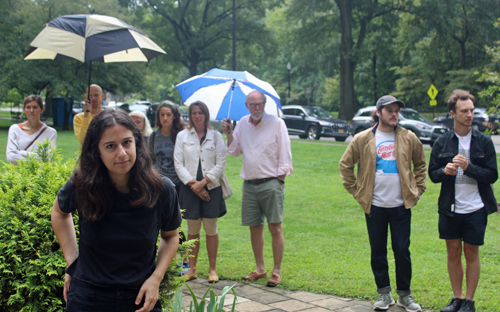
(463, 55)
(194, 60)
(374, 76)
(347, 97)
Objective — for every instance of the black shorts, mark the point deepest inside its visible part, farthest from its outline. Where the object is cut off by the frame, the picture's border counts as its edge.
(469, 227)
(83, 296)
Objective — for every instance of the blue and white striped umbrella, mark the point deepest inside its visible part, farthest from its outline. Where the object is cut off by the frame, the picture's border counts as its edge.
(95, 38)
(224, 92)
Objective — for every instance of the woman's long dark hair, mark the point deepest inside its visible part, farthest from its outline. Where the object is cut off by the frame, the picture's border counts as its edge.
(177, 126)
(93, 187)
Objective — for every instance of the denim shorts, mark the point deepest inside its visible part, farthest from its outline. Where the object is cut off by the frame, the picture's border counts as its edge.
(83, 297)
(470, 227)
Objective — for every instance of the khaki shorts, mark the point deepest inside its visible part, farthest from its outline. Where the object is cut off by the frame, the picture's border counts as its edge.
(262, 200)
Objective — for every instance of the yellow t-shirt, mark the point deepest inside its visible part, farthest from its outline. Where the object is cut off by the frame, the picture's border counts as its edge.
(80, 125)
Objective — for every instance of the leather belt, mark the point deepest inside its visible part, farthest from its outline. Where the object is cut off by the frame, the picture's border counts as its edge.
(259, 181)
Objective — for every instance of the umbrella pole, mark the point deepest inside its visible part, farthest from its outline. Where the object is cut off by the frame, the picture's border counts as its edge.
(90, 74)
(231, 99)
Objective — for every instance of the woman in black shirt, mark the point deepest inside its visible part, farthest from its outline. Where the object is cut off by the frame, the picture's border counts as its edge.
(169, 123)
(122, 204)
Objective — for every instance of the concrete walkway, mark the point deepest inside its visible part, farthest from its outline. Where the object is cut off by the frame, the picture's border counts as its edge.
(256, 298)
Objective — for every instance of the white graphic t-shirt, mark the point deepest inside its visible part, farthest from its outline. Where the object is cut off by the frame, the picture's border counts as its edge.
(467, 197)
(387, 186)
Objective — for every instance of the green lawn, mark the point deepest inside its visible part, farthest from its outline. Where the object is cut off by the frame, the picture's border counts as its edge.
(327, 249)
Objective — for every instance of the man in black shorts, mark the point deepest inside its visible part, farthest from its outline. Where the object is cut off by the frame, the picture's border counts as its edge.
(464, 162)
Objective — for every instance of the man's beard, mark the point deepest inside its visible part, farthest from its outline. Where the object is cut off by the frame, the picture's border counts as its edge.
(386, 122)
(257, 115)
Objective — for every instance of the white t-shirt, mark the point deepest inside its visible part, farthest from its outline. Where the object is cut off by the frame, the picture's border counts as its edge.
(467, 197)
(18, 141)
(387, 186)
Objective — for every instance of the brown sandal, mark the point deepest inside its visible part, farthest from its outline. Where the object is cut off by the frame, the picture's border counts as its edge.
(187, 277)
(254, 276)
(213, 278)
(274, 280)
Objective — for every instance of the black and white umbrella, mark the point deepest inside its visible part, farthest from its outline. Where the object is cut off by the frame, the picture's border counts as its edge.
(92, 38)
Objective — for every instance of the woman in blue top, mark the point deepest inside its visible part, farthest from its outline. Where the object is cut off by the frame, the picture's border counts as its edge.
(122, 204)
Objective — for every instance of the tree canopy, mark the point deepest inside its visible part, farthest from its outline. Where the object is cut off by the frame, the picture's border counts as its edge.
(343, 54)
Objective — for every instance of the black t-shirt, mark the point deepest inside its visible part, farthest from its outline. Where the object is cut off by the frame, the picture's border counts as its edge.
(120, 249)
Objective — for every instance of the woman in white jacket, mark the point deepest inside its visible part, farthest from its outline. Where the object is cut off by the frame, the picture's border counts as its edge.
(200, 160)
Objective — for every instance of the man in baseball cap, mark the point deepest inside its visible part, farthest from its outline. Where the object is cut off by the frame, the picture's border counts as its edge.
(388, 99)
(386, 193)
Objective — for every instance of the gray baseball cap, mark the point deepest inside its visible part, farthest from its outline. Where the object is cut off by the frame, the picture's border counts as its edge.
(388, 99)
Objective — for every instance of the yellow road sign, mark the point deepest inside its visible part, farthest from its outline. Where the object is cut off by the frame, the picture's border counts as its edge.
(434, 102)
(432, 92)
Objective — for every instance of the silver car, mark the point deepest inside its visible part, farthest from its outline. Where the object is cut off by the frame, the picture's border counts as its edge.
(426, 131)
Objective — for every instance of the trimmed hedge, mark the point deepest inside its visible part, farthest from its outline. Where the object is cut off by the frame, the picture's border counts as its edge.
(31, 262)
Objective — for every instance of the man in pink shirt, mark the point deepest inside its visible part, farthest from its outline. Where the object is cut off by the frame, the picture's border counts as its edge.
(263, 141)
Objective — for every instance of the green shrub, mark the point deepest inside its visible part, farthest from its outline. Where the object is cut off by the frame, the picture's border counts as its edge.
(32, 264)
(171, 282)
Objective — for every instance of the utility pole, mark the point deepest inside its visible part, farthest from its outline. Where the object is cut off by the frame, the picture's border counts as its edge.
(289, 67)
(234, 34)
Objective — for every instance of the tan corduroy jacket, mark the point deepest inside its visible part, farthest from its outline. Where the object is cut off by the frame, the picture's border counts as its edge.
(362, 151)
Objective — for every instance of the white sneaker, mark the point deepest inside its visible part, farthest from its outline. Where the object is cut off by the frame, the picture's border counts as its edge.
(383, 302)
(409, 304)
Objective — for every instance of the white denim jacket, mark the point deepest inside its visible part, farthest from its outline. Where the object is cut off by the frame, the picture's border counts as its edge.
(188, 153)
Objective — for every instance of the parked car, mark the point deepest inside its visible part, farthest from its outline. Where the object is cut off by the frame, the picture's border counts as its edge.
(426, 131)
(481, 121)
(78, 107)
(113, 104)
(146, 102)
(313, 122)
(134, 107)
(151, 113)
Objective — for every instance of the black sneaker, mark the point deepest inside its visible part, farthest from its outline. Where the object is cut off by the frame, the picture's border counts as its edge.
(467, 306)
(454, 305)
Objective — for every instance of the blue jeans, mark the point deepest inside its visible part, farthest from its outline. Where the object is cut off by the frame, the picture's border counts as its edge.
(399, 219)
(83, 296)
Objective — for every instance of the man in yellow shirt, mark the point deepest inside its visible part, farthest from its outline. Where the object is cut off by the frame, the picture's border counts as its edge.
(91, 108)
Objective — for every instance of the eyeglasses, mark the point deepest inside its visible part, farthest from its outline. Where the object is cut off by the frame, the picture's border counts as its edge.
(254, 105)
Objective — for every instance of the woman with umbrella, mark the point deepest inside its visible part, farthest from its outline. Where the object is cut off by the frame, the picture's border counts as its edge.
(200, 160)
(122, 205)
(24, 137)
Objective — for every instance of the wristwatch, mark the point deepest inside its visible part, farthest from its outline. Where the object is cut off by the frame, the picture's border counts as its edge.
(281, 181)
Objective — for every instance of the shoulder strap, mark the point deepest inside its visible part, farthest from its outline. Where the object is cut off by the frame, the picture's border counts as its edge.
(152, 148)
(44, 128)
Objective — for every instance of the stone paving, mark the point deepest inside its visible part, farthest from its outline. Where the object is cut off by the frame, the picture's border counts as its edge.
(259, 298)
